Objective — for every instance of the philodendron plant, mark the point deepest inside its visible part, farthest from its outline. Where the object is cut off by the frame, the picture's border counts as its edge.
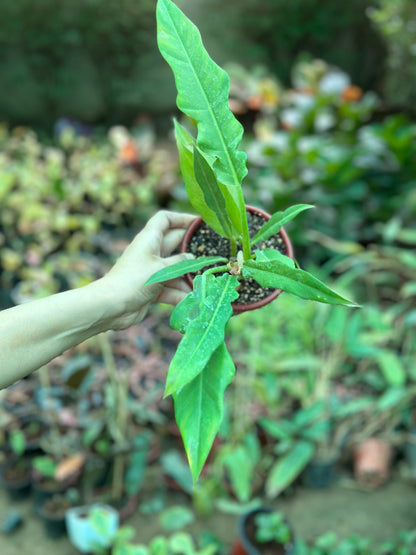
(213, 169)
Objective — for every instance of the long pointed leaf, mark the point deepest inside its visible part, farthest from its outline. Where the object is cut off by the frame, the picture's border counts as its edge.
(186, 143)
(203, 89)
(183, 267)
(213, 196)
(199, 407)
(272, 226)
(275, 274)
(205, 333)
(288, 467)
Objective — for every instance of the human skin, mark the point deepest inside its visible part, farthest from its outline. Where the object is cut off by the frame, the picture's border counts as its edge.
(33, 333)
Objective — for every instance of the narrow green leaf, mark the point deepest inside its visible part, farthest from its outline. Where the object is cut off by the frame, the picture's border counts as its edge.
(274, 273)
(183, 267)
(273, 254)
(288, 467)
(272, 226)
(203, 89)
(199, 407)
(240, 469)
(204, 333)
(392, 368)
(212, 192)
(186, 144)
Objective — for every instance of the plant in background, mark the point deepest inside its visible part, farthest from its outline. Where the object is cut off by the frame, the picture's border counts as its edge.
(272, 526)
(213, 169)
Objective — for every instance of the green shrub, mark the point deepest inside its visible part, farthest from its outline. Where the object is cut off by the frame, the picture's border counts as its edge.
(62, 204)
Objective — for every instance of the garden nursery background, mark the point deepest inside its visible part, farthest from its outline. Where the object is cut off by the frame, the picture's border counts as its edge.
(326, 92)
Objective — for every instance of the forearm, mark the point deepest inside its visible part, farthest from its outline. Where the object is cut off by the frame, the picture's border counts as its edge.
(32, 334)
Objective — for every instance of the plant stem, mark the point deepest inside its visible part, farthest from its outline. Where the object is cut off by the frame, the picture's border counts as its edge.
(216, 269)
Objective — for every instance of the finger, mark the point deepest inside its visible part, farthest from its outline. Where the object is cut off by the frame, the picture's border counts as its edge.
(171, 240)
(164, 220)
(179, 284)
(178, 258)
(171, 296)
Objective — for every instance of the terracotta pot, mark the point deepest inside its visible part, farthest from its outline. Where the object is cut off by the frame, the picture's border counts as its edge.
(238, 308)
(372, 459)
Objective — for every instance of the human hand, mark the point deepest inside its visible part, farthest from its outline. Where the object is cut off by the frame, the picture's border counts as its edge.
(142, 258)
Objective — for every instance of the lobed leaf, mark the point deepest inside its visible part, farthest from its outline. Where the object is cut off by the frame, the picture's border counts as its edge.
(183, 267)
(274, 273)
(204, 333)
(199, 407)
(272, 226)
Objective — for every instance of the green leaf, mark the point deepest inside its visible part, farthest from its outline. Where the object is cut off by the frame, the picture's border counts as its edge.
(266, 255)
(288, 467)
(186, 311)
(274, 273)
(186, 144)
(213, 195)
(203, 89)
(176, 517)
(183, 267)
(199, 407)
(204, 333)
(272, 226)
(391, 367)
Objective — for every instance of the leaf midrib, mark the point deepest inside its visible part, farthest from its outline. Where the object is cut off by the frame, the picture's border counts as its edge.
(225, 148)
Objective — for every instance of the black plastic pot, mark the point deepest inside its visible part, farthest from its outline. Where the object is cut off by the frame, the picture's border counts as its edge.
(319, 474)
(16, 483)
(53, 520)
(245, 544)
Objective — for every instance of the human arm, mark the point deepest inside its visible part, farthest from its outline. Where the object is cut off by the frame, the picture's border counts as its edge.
(34, 333)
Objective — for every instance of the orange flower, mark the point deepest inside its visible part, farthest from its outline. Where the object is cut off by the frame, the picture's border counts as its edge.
(129, 153)
(352, 93)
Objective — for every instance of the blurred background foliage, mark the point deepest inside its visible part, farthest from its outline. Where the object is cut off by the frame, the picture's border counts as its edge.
(325, 91)
(97, 60)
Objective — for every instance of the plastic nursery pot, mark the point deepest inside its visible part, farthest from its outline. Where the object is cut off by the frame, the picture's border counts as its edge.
(82, 533)
(15, 478)
(45, 488)
(245, 543)
(319, 474)
(52, 512)
(372, 458)
(238, 308)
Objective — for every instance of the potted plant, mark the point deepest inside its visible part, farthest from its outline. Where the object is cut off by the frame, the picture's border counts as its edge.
(264, 531)
(15, 470)
(53, 512)
(50, 476)
(213, 169)
(92, 526)
(296, 439)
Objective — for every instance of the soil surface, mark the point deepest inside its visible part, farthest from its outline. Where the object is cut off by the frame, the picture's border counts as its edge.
(378, 514)
(206, 242)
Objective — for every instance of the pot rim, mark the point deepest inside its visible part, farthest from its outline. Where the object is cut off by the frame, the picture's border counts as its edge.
(239, 308)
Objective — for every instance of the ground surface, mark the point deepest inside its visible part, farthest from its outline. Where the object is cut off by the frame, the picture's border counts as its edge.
(379, 514)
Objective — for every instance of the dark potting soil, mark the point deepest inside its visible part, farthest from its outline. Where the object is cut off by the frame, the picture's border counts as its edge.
(206, 242)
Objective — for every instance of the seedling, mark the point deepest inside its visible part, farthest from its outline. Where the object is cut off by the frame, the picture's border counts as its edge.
(213, 169)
